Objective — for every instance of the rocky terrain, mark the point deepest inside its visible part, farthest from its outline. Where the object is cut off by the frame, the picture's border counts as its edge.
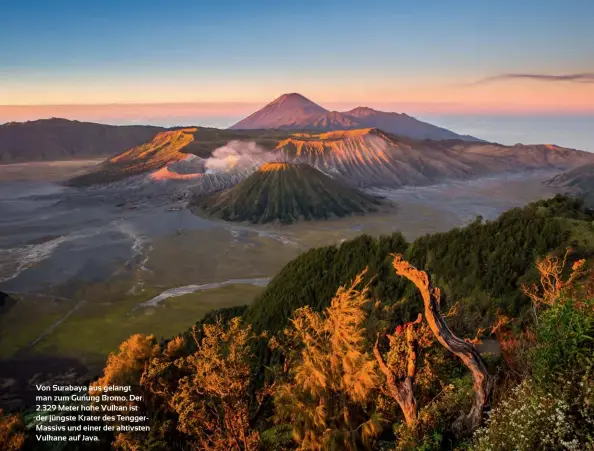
(373, 158)
(216, 159)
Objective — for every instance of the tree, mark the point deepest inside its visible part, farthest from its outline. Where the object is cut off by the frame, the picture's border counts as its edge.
(465, 351)
(125, 368)
(401, 365)
(213, 400)
(331, 377)
(552, 282)
(12, 437)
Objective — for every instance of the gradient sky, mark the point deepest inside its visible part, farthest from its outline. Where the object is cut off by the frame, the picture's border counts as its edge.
(425, 56)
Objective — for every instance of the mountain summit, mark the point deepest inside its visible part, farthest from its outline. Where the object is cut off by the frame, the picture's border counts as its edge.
(295, 112)
(289, 111)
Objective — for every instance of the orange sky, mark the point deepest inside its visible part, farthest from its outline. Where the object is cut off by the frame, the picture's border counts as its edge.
(499, 97)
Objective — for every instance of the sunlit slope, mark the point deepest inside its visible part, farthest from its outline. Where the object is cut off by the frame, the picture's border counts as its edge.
(169, 148)
(285, 192)
(365, 157)
(371, 157)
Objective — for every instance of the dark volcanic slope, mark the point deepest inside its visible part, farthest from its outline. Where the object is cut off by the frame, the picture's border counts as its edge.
(295, 112)
(285, 192)
(61, 139)
(580, 177)
(578, 182)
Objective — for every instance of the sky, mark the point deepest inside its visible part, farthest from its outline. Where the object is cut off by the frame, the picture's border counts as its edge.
(216, 61)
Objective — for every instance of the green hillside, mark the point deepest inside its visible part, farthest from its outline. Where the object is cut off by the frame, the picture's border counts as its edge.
(482, 265)
(286, 193)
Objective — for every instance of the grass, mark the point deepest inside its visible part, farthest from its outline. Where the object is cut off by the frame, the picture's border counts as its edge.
(581, 232)
(26, 321)
(99, 329)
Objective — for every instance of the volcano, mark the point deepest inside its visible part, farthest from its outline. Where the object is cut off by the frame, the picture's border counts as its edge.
(296, 112)
(288, 112)
(285, 193)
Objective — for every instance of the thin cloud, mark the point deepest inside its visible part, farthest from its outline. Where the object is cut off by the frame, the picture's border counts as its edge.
(574, 78)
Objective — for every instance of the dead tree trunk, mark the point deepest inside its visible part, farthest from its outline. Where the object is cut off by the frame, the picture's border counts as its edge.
(402, 391)
(482, 382)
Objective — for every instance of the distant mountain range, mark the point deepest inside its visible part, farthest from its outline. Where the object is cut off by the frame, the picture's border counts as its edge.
(286, 193)
(355, 155)
(295, 112)
(60, 139)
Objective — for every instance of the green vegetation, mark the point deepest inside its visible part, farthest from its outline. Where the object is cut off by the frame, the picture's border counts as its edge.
(356, 368)
(480, 266)
(286, 193)
(552, 407)
(312, 278)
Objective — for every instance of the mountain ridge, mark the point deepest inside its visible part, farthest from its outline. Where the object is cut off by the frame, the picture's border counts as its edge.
(367, 157)
(57, 139)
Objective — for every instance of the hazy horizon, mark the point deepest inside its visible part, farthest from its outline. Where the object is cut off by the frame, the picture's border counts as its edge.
(573, 131)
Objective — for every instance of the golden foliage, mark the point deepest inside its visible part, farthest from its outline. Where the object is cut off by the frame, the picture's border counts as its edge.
(125, 366)
(331, 375)
(212, 402)
(413, 337)
(12, 437)
(552, 284)
(127, 442)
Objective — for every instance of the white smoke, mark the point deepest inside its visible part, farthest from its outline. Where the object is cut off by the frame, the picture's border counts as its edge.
(238, 156)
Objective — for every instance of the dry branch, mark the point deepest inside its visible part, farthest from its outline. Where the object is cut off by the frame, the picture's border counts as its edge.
(465, 351)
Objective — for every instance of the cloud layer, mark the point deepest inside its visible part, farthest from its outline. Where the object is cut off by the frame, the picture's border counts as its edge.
(575, 78)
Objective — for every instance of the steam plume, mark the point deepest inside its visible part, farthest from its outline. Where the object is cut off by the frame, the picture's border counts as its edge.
(237, 155)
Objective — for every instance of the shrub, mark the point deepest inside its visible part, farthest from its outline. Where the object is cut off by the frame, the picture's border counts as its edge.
(12, 437)
(564, 345)
(331, 376)
(529, 419)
